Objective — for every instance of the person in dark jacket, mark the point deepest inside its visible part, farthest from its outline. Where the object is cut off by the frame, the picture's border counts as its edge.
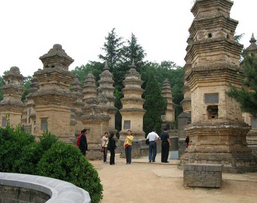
(165, 146)
(111, 147)
(83, 142)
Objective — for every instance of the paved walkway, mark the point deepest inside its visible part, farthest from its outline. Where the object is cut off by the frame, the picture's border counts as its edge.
(143, 182)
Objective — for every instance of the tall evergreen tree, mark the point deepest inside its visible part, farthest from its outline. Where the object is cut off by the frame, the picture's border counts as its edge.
(133, 51)
(112, 48)
(154, 105)
(247, 95)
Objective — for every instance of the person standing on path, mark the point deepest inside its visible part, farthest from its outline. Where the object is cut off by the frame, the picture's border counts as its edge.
(165, 146)
(128, 146)
(104, 146)
(83, 142)
(112, 147)
(153, 137)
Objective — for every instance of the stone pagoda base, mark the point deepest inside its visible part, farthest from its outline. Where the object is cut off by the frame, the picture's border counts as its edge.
(251, 140)
(94, 152)
(220, 143)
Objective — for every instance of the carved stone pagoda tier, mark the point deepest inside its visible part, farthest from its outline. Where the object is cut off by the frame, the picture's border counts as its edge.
(95, 117)
(186, 102)
(217, 133)
(11, 107)
(169, 117)
(132, 111)
(106, 90)
(54, 99)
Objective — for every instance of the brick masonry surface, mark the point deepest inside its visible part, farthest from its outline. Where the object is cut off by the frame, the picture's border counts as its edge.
(203, 175)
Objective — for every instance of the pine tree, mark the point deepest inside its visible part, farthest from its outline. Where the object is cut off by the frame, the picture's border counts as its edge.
(247, 95)
(112, 48)
(133, 51)
(154, 105)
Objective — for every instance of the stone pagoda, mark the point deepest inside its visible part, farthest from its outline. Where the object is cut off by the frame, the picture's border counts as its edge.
(106, 89)
(252, 49)
(132, 111)
(248, 118)
(29, 112)
(53, 99)
(186, 102)
(217, 133)
(95, 117)
(76, 109)
(11, 107)
(169, 117)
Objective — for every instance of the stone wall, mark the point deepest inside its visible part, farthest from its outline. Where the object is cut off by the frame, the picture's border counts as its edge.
(203, 175)
(21, 195)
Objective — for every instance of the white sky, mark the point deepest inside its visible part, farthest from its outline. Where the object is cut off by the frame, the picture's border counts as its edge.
(29, 28)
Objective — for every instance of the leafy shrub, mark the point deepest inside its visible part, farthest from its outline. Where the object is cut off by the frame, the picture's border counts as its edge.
(46, 141)
(28, 159)
(11, 146)
(20, 153)
(66, 162)
(32, 153)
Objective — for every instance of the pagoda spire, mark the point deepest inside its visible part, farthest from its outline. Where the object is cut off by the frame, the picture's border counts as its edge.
(106, 66)
(252, 40)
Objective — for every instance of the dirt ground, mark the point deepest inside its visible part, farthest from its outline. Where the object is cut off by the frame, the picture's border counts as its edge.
(143, 182)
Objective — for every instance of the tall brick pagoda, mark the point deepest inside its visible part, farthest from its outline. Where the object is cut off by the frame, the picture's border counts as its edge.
(106, 89)
(169, 117)
(11, 107)
(132, 111)
(95, 117)
(186, 102)
(53, 99)
(251, 137)
(29, 113)
(217, 132)
(77, 106)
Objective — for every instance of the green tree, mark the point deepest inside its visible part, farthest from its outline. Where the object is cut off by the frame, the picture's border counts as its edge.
(133, 51)
(154, 105)
(247, 95)
(93, 66)
(27, 85)
(112, 48)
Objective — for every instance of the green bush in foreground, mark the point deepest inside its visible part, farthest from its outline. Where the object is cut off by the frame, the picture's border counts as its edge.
(20, 153)
(32, 153)
(11, 147)
(65, 162)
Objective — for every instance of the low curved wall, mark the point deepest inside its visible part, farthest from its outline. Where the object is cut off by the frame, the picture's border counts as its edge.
(28, 188)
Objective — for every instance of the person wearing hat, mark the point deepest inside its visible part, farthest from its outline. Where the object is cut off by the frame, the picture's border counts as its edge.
(83, 142)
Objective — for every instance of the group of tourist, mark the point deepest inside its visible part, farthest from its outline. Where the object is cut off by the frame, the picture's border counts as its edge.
(153, 137)
(109, 144)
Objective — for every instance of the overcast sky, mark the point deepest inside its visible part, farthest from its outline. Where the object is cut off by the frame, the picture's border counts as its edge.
(29, 28)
